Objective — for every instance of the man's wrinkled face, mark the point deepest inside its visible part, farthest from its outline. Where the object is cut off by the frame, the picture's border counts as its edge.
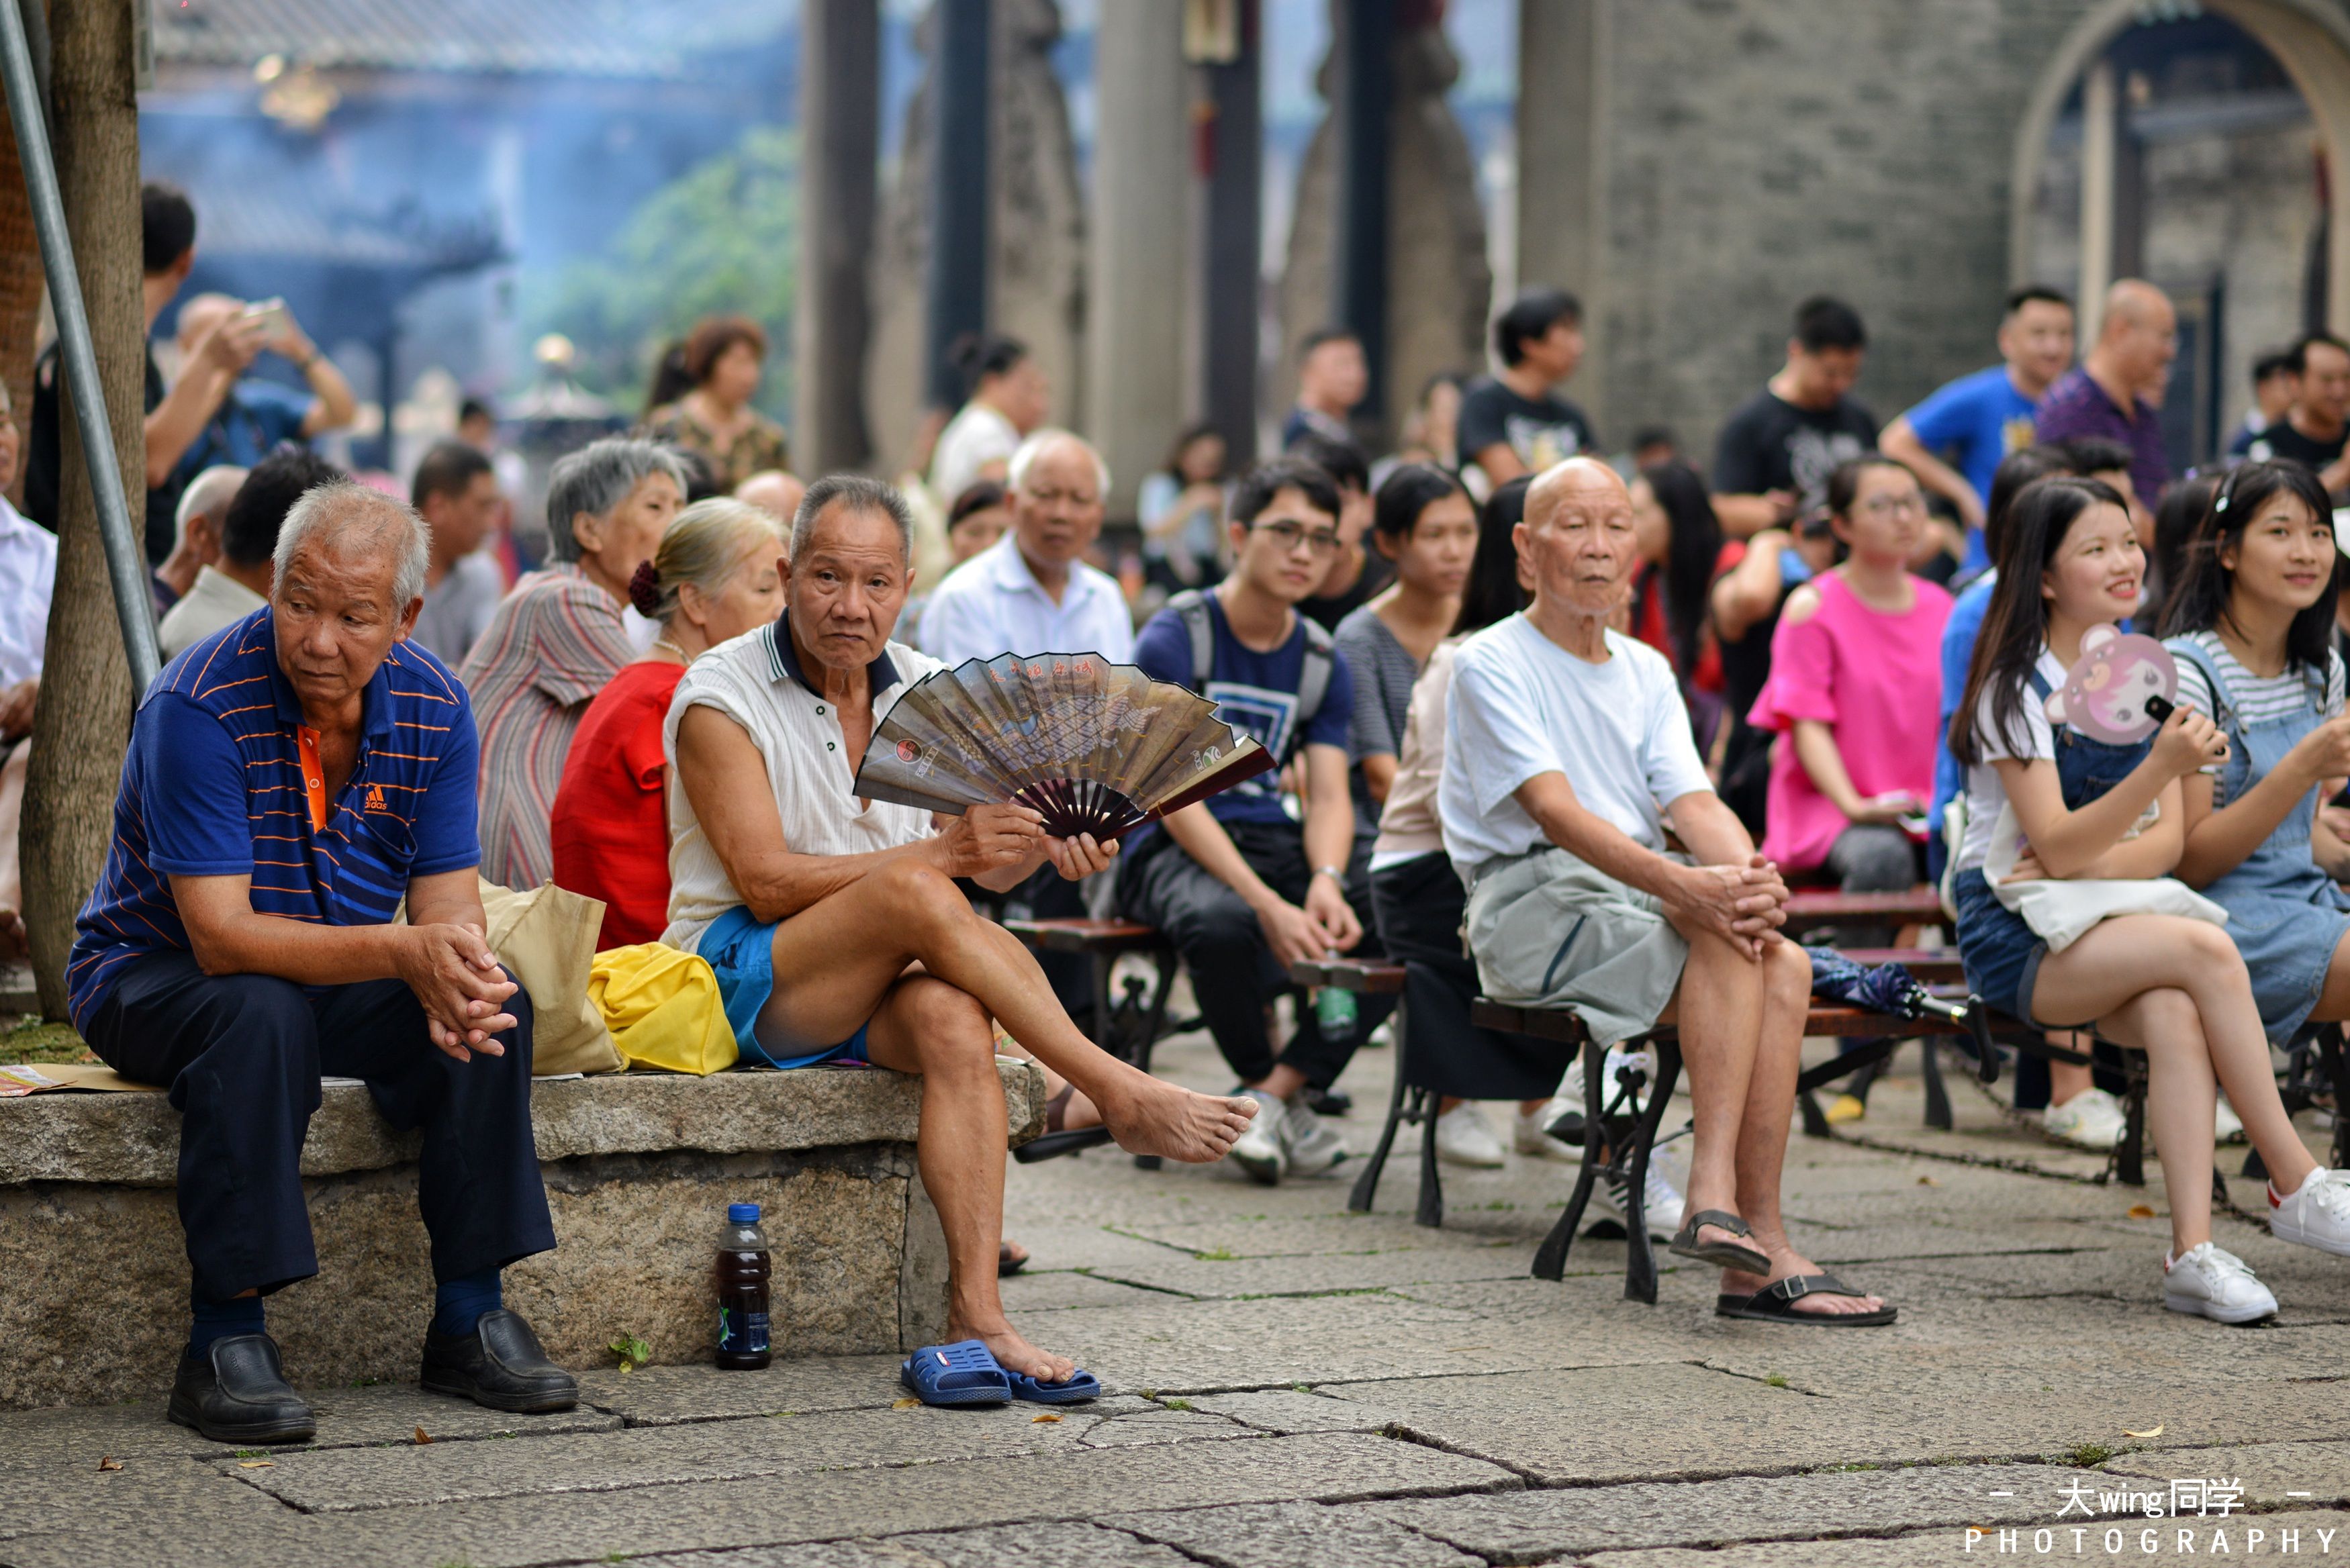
(1059, 505)
(1582, 547)
(335, 615)
(845, 593)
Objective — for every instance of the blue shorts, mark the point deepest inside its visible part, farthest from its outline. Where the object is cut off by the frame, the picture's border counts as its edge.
(742, 952)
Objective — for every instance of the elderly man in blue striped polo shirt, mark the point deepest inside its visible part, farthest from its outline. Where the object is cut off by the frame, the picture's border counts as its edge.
(290, 780)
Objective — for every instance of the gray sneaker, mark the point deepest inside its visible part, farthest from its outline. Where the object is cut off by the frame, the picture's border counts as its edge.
(1258, 1151)
(1310, 1144)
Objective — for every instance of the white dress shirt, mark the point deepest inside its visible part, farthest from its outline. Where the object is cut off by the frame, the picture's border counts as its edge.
(974, 438)
(29, 570)
(994, 604)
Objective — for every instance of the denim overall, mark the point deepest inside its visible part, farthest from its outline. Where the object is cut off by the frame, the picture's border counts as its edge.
(2000, 952)
(2284, 911)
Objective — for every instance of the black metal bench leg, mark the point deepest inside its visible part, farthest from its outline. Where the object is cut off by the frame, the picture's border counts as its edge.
(1550, 1258)
(2129, 1155)
(1640, 1257)
(1366, 1186)
(1431, 1185)
(1938, 1097)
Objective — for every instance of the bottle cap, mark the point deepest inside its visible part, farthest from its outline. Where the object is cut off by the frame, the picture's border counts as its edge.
(742, 1214)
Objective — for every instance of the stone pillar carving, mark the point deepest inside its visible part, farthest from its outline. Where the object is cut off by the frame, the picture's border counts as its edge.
(1440, 286)
(1036, 232)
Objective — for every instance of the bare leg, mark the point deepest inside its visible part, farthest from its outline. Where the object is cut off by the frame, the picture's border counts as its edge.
(12, 893)
(1719, 998)
(2179, 1097)
(927, 1026)
(2126, 957)
(834, 959)
(1761, 1147)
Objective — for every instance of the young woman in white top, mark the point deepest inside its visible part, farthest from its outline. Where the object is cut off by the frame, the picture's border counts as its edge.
(2170, 986)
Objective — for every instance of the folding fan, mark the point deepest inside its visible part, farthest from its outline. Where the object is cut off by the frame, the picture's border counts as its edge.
(1096, 747)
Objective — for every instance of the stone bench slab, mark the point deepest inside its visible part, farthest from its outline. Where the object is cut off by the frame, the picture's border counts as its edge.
(639, 1169)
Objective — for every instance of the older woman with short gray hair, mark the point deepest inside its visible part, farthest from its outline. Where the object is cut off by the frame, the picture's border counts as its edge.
(559, 637)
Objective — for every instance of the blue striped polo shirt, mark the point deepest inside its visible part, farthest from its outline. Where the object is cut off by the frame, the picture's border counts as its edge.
(215, 785)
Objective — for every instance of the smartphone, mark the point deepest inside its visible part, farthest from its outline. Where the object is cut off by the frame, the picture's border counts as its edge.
(271, 314)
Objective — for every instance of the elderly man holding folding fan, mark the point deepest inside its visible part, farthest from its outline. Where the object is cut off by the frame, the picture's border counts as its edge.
(835, 925)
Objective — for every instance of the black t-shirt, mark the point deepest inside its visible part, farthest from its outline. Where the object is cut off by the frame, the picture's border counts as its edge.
(44, 473)
(2282, 439)
(1542, 430)
(1378, 572)
(1772, 444)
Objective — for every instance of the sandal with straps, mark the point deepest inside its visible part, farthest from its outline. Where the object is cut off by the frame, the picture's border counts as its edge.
(1775, 1302)
(1721, 1254)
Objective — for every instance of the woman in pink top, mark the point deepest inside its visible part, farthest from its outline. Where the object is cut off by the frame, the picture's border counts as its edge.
(1856, 684)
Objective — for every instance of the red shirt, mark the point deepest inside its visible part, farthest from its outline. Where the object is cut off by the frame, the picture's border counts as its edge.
(610, 828)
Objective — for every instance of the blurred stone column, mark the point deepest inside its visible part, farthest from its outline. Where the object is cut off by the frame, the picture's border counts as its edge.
(1134, 326)
(840, 136)
(1561, 88)
(1228, 162)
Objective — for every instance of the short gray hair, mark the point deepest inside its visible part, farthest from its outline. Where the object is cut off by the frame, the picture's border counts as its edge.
(347, 510)
(859, 494)
(599, 477)
(208, 496)
(702, 545)
(1029, 451)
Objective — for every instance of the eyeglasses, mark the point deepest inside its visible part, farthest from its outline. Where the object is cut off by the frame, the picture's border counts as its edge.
(1289, 535)
(1892, 506)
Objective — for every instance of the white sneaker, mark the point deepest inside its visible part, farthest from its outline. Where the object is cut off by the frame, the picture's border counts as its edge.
(1259, 1151)
(1464, 1136)
(1533, 1138)
(2092, 1119)
(2317, 1216)
(1609, 1087)
(1309, 1144)
(2217, 1284)
(2226, 1126)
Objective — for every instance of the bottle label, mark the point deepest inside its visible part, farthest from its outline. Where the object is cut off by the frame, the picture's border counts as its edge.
(741, 1332)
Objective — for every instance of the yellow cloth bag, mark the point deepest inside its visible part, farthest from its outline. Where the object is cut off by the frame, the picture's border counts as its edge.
(662, 1007)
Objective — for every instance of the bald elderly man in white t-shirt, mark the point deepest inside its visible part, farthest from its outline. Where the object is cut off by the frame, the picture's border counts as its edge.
(1567, 750)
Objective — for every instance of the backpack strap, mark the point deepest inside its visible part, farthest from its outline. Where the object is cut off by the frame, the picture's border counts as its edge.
(1314, 676)
(1192, 605)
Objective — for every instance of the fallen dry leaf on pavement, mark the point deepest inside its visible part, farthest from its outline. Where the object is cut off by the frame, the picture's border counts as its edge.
(2153, 1431)
(905, 1404)
(1035, 1420)
(248, 1465)
(421, 1436)
(1928, 1181)
(2141, 1212)
(110, 1463)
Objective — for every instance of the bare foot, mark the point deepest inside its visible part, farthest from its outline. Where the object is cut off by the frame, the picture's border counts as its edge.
(1152, 1116)
(1013, 1353)
(1787, 1263)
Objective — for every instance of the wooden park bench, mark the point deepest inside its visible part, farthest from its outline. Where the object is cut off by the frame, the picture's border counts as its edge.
(1127, 1025)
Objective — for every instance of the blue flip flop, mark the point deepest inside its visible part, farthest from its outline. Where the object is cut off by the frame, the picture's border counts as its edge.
(1080, 1387)
(964, 1373)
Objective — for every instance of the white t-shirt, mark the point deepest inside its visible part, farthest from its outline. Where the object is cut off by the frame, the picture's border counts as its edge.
(1985, 793)
(1522, 706)
(974, 438)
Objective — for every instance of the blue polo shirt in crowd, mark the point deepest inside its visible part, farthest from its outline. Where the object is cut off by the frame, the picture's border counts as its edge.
(223, 780)
(1973, 424)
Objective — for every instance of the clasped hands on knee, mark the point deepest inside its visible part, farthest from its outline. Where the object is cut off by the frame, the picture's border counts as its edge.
(990, 838)
(1326, 924)
(1743, 905)
(462, 985)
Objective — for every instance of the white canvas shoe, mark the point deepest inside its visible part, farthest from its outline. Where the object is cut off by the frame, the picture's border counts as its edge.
(2216, 1285)
(1259, 1151)
(2317, 1216)
(1309, 1144)
(2092, 1119)
(1464, 1136)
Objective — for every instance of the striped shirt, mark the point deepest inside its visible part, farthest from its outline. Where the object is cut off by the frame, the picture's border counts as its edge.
(556, 642)
(756, 681)
(223, 780)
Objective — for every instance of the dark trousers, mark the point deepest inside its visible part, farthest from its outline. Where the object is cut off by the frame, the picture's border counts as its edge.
(1420, 907)
(243, 1055)
(1233, 973)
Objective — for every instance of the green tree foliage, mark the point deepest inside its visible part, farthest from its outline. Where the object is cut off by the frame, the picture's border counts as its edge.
(721, 238)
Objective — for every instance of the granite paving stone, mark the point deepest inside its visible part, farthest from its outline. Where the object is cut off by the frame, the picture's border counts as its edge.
(1296, 1535)
(2273, 1475)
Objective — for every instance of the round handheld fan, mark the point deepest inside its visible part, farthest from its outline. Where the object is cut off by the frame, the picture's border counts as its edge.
(2120, 691)
(1096, 747)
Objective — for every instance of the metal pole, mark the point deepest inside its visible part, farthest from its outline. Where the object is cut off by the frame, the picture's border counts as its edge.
(960, 188)
(133, 602)
(1364, 47)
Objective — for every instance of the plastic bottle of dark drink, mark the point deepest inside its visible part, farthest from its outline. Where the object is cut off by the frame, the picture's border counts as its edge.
(743, 1271)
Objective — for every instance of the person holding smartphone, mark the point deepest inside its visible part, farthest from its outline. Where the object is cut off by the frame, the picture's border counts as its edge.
(251, 417)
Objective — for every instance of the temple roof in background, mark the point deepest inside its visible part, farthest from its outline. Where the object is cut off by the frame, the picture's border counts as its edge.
(618, 38)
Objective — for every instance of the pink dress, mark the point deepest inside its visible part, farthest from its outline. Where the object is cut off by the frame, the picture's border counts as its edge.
(1876, 680)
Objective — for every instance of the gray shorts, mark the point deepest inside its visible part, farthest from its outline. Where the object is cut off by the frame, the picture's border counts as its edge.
(1548, 929)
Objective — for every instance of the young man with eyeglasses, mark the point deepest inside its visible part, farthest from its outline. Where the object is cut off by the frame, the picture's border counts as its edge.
(1241, 888)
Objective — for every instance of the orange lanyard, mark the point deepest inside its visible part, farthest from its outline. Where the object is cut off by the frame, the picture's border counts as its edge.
(313, 777)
